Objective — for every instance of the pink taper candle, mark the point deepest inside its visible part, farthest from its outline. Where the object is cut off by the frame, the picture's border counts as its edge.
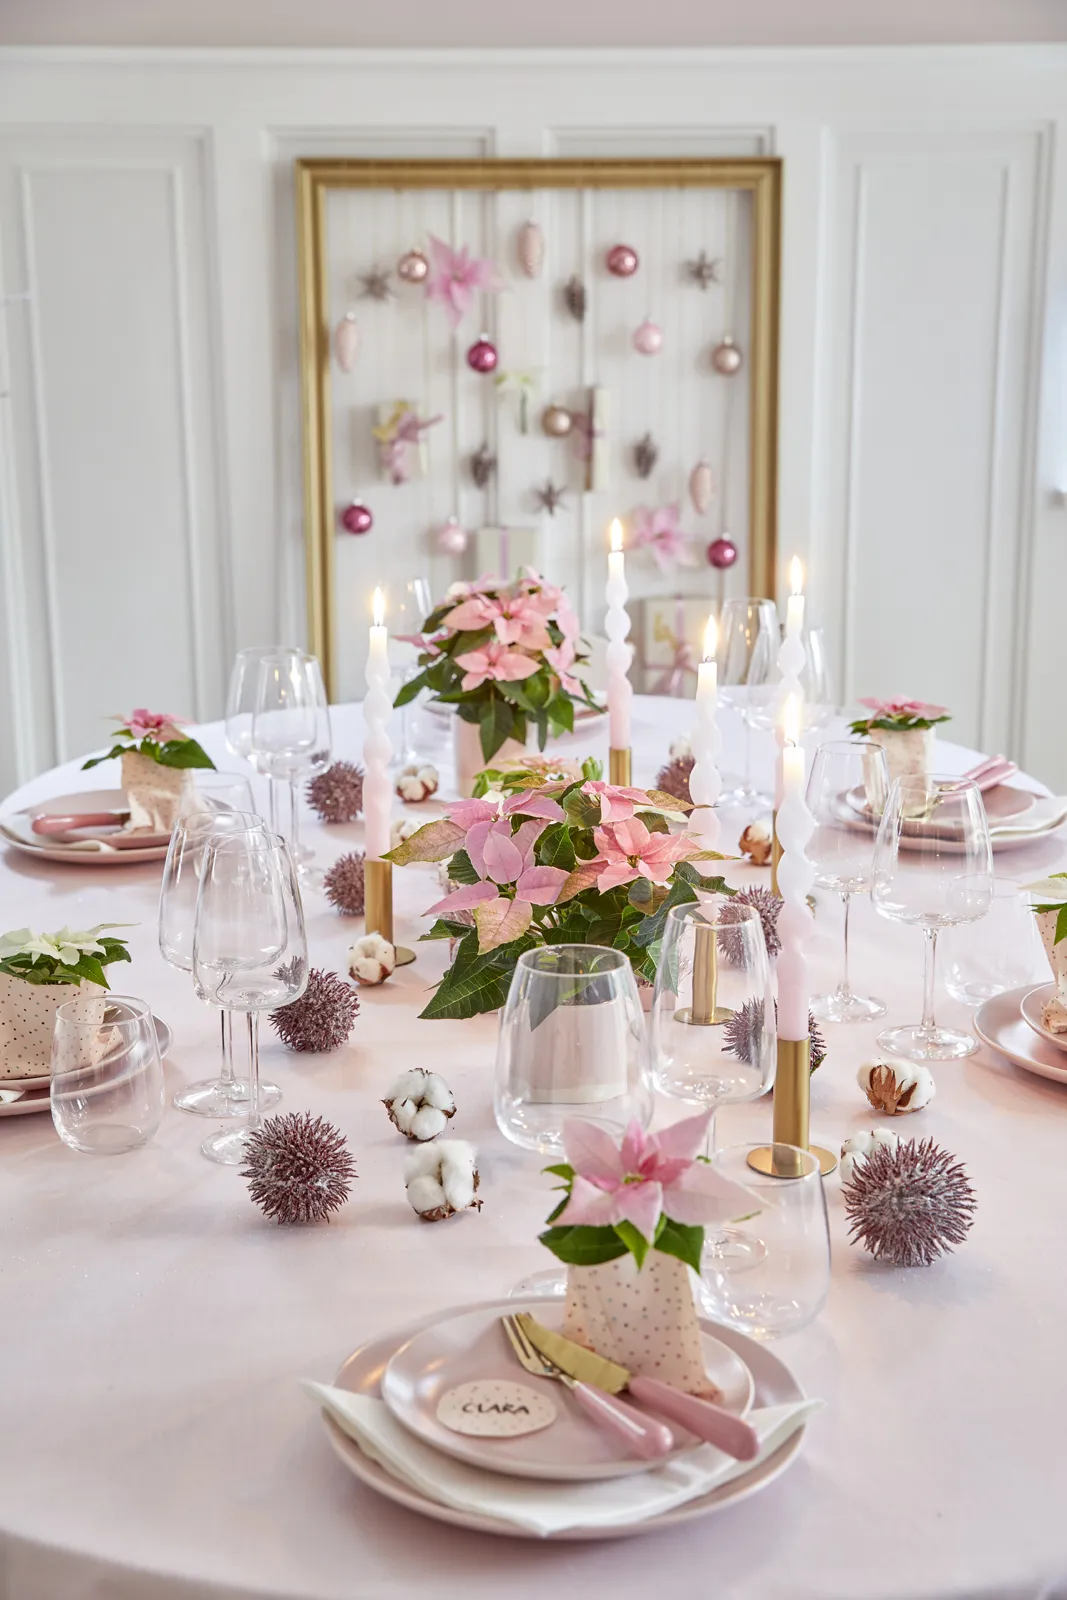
(619, 653)
(377, 790)
(795, 877)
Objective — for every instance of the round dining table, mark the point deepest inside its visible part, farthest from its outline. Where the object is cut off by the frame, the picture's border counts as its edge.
(156, 1442)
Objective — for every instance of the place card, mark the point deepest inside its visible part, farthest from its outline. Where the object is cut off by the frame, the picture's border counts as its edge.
(495, 1408)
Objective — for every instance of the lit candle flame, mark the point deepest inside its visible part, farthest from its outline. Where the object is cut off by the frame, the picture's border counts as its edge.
(378, 607)
(711, 640)
(791, 719)
(615, 533)
(796, 576)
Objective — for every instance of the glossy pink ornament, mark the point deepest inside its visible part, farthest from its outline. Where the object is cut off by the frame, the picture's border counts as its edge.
(648, 338)
(726, 357)
(357, 518)
(482, 355)
(622, 261)
(412, 267)
(722, 553)
(451, 538)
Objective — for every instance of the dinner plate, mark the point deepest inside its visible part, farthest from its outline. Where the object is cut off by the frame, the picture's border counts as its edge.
(29, 1102)
(1002, 837)
(30, 1086)
(1000, 1024)
(1032, 1007)
(462, 1347)
(1002, 802)
(105, 849)
(362, 1372)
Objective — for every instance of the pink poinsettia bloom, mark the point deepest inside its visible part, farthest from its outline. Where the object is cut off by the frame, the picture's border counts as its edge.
(659, 530)
(628, 851)
(646, 1176)
(500, 856)
(561, 659)
(476, 611)
(616, 804)
(151, 724)
(496, 663)
(520, 620)
(455, 276)
(905, 708)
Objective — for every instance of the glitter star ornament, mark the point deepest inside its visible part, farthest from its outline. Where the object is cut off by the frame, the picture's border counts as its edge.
(704, 269)
(298, 1168)
(322, 1018)
(909, 1204)
(375, 285)
(549, 497)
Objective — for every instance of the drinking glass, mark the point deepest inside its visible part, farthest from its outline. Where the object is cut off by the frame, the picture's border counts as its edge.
(249, 950)
(290, 732)
(217, 792)
(226, 1095)
(1002, 951)
(749, 638)
(572, 1043)
(933, 867)
(408, 606)
(712, 1025)
(779, 1283)
(765, 701)
(107, 1076)
(847, 791)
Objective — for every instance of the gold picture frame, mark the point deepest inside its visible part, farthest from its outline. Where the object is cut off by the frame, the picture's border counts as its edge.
(761, 177)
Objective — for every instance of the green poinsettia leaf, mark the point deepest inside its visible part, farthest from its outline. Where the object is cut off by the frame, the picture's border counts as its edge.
(634, 1241)
(179, 753)
(681, 1240)
(496, 721)
(461, 869)
(583, 1247)
(410, 690)
(555, 847)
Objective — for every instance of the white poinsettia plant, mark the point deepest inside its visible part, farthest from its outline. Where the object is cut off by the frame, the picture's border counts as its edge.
(69, 956)
(1050, 894)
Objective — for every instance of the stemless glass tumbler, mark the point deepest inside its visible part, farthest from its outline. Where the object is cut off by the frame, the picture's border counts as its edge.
(107, 1076)
(572, 1043)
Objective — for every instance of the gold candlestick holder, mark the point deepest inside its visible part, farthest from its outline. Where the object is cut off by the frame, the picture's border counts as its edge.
(378, 879)
(705, 1011)
(776, 854)
(619, 764)
(792, 1110)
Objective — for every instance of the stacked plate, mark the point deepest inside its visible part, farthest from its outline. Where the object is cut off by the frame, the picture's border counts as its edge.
(103, 843)
(21, 1097)
(416, 1372)
(1016, 817)
(1012, 1023)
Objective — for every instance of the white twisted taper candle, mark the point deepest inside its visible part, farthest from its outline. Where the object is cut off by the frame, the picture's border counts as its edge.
(705, 784)
(377, 749)
(619, 654)
(791, 660)
(795, 877)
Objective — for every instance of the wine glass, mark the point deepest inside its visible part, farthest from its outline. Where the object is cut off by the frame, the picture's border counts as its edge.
(107, 1077)
(764, 705)
(249, 950)
(226, 1095)
(933, 867)
(1002, 951)
(847, 788)
(240, 709)
(290, 731)
(409, 606)
(748, 647)
(217, 792)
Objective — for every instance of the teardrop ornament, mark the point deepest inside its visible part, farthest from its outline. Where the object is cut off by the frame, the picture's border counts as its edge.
(701, 486)
(530, 247)
(346, 341)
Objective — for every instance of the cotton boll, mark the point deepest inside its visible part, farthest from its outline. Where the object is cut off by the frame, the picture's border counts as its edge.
(428, 1122)
(896, 1088)
(371, 959)
(860, 1145)
(416, 782)
(681, 749)
(426, 1195)
(402, 828)
(442, 1179)
(420, 1104)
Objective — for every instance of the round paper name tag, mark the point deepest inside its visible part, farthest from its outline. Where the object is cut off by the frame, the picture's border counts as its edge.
(494, 1408)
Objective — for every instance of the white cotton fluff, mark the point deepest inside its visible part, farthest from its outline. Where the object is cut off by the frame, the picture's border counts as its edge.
(402, 828)
(371, 959)
(859, 1146)
(682, 748)
(441, 1179)
(420, 1104)
(417, 782)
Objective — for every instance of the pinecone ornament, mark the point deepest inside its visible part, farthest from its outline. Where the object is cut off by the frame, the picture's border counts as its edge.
(322, 1018)
(298, 1168)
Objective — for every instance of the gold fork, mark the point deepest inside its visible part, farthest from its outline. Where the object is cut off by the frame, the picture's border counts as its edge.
(645, 1437)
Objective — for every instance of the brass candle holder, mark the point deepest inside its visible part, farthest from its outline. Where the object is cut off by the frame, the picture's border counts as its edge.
(705, 1011)
(619, 765)
(378, 880)
(792, 1110)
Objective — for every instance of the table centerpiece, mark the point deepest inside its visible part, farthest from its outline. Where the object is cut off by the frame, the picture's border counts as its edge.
(157, 761)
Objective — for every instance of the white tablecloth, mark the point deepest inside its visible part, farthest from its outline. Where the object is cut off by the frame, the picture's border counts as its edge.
(154, 1442)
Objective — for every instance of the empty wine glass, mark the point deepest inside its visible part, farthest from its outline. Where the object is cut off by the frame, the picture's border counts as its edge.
(1000, 952)
(933, 866)
(107, 1077)
(409, 604)
(290, 732)
(847, 791)
(748, 648)
(226, 1095)
(213, 792)
(765, 700)
(240, 709)
(249, 950)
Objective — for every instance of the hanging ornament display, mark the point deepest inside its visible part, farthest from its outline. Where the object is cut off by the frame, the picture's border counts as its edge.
(357, 518)
(726, 357)
(522, 384)
(412, 267)
(722, 553)
(346, 341)
(622, 261)
(456, 276)
(646, 454)
(549, 497)
(556, 421)
(701, 486)
(530, 248)
(401, 447)
(375, 285)
(704, 269)
(483, 465)
(648, 338)
(575, 298)
(451, 538)
(482, 356)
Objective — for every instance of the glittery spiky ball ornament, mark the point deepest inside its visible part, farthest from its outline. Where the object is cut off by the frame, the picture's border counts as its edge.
(909, 1205)
(344, 884)
(767, 906)
(337, 793)
(674, 777)
(323, 1016)
(298, 1168)
(743, 1033)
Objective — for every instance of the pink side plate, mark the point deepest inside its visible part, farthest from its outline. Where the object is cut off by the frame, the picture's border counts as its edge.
(1000, 1024)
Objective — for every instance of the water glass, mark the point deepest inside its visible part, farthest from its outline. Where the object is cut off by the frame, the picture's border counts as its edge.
(217, 792)
(1002, 951)
(290, 733)
(107, 1076)
(775, 1278)
(572, 1043)
(749, 637)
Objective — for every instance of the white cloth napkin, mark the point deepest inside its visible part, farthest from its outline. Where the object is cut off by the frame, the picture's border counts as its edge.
(18, 825)
(1044, 815)
(539, 1506)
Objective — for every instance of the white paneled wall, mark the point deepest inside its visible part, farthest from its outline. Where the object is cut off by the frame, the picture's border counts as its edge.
(150, 496)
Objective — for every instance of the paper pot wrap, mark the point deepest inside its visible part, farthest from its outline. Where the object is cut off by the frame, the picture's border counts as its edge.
(908, 751)
(28, 1019)
(1054, 1013)
(467, 750)
(643, 1319)
(156, 795)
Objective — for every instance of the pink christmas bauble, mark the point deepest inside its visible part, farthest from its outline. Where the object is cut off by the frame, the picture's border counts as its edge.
(722, 553)
(482, 356)
(451, 538)
(726, 357)
(412, 267)
(357, 518)
(622, 261)
(648, 338)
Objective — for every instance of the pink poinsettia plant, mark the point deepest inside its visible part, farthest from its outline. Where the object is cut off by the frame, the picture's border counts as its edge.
(506, 655)
(157, 735)
(898, 716)
(647, 1192)
(540, 860)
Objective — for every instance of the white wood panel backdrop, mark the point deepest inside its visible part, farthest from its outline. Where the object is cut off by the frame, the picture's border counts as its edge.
(150, 503)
